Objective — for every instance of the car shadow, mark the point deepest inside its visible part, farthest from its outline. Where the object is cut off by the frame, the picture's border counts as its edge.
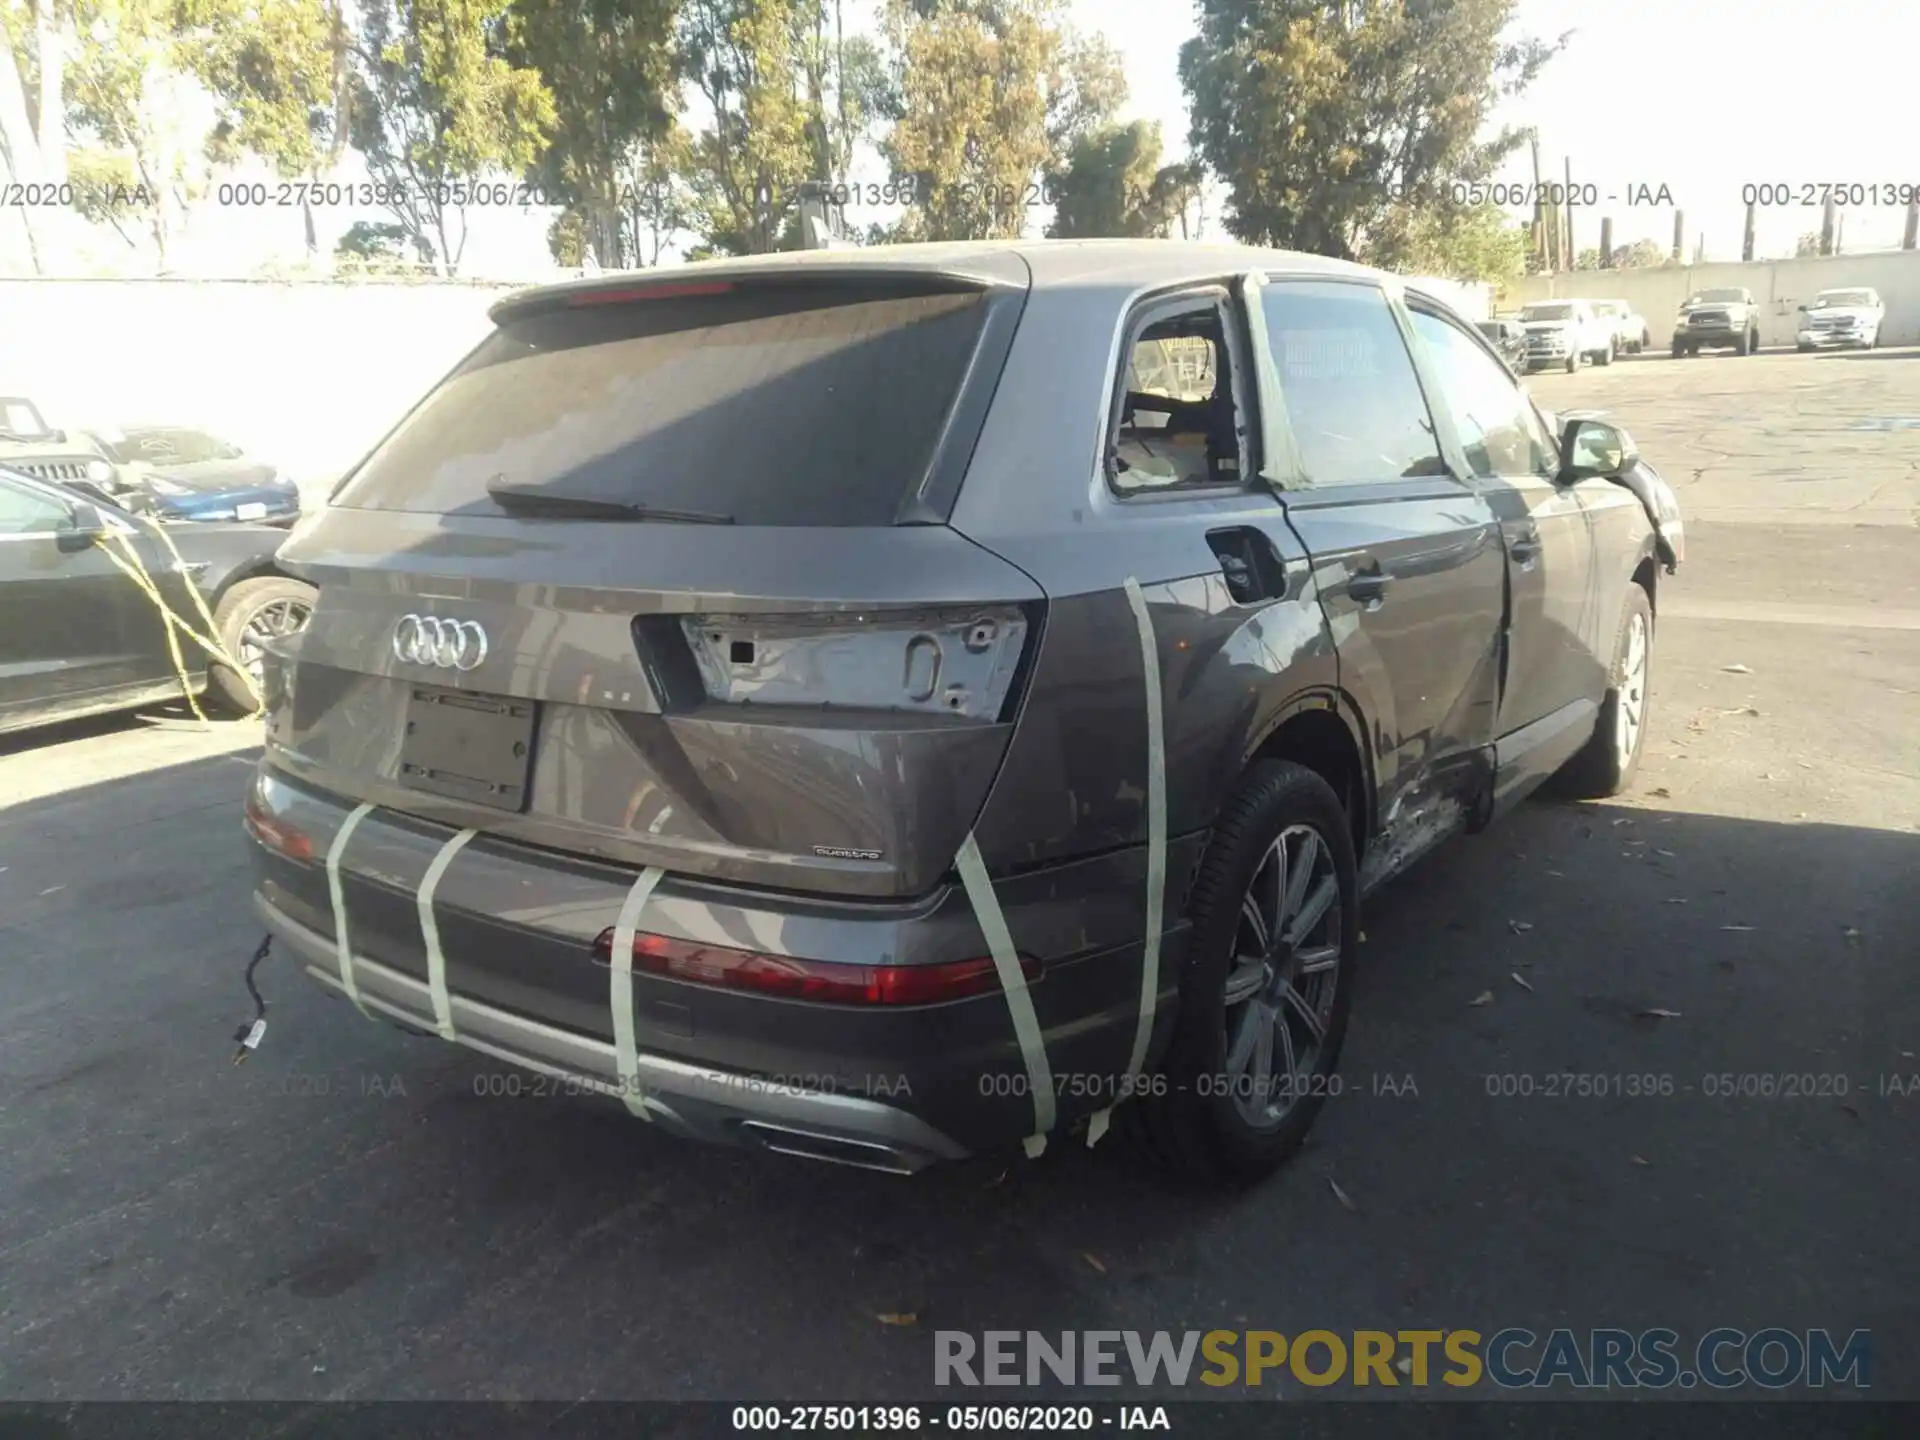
(168, 715)
(562, 1249)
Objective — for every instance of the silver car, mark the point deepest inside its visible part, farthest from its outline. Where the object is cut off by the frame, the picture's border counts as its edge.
(885, 706)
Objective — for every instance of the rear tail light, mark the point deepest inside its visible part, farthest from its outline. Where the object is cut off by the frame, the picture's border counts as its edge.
(276, 835)
(964, 662)
(826, 982)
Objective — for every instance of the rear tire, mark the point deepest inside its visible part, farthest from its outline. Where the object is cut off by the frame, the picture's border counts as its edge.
(1606, 355)
(1606, 764)
(1573, 362)
(252, 611)
(1245, 999)
(1678, 351)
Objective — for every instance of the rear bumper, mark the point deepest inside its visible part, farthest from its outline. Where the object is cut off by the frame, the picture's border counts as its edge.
(889, 1087)
(694, 1101)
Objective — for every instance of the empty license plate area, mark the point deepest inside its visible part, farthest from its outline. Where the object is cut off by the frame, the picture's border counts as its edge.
(468, 747)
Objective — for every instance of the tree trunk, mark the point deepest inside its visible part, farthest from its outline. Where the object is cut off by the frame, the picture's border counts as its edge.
(19, 151)
(51, 124)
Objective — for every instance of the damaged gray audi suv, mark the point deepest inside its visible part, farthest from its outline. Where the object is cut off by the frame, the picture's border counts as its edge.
(885, 706)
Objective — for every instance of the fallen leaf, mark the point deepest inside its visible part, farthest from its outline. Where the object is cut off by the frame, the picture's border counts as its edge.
(1660, 792)
(1624, 820)
(1658, 1014)
(53, 889)
(1658, 851)
(996, 1179)
(1852, 935)
(1485, 997)
(1520, 982)
(1556, 874)
(1638, 1160)
(1851, 1111)
(1363, 937)
(1345, 1199)
(1094, 1261)
(1738, 929)
(907, 1317)
(1675, 900)
(1737, 669)
(1519, 927)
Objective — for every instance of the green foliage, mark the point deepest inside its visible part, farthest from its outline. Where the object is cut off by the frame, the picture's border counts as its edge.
(1114, 184)
(125, 94)
(990, 94)
(609, 65)
(436, 108)
(372, 248)
(277, 71)
(1325, 121)
(1478, 243)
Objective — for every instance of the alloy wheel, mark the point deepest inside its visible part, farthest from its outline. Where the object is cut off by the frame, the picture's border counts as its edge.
(271, 621)
(1631, 710)
(1286, 961)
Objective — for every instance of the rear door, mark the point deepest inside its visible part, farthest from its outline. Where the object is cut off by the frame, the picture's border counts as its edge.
(1549, 668)
(1406, 553)
(660, 573)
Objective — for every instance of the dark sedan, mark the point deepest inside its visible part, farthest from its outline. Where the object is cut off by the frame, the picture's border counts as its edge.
(176, 473)
(1509, 337)
(78, 637)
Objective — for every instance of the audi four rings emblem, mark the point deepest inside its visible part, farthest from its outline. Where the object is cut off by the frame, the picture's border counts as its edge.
(448, 644)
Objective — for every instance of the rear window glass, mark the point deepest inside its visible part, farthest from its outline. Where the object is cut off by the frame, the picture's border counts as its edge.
(770, 405)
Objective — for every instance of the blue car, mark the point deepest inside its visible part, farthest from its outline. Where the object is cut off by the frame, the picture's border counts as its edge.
(177, 474)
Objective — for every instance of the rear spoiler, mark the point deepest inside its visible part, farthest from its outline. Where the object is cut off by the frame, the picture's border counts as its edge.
(993, 271)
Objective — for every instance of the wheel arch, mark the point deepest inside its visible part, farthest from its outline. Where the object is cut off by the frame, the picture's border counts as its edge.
(1323, 729)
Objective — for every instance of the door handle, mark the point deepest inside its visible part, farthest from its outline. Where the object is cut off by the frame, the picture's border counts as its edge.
(1526, 550)
(1370, 589)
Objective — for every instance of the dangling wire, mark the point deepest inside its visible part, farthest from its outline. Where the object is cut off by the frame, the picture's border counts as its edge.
(247, 1037)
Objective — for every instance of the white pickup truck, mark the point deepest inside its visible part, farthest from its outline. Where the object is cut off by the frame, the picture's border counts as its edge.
(1841, 317)
(1566, 332)
(1630, 330)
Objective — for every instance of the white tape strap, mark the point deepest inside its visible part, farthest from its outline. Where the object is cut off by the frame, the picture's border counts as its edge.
(336, 892)
(1006, 961)
(626, 1054)
(1156, 831)
(430, 933)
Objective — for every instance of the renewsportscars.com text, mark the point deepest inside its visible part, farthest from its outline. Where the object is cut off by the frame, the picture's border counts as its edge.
(1513, 1358)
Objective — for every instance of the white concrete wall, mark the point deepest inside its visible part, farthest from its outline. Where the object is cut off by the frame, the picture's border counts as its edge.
(307, 376)
(1780, 287)
(1472, 298)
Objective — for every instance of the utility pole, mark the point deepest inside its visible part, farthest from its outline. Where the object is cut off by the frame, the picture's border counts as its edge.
(1679, 235)
(1606, 242)
(1826, 227)
(1573, 255)
(1911, 240)
(1746, 237)
(1839, 231)
(1541, 251)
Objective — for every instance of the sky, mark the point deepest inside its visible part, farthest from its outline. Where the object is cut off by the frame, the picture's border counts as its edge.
(1703, 97)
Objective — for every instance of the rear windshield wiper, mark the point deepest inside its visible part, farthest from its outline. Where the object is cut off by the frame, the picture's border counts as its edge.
(560, 506)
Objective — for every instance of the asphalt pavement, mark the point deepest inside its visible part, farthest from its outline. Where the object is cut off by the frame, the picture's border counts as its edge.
(346, 1217)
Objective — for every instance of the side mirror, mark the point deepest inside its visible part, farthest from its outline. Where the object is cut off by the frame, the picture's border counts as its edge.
(84, 526)
(1594, 449)
(1803, 309)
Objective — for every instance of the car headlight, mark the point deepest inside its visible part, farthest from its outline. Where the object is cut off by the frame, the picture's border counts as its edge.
(99, 471)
